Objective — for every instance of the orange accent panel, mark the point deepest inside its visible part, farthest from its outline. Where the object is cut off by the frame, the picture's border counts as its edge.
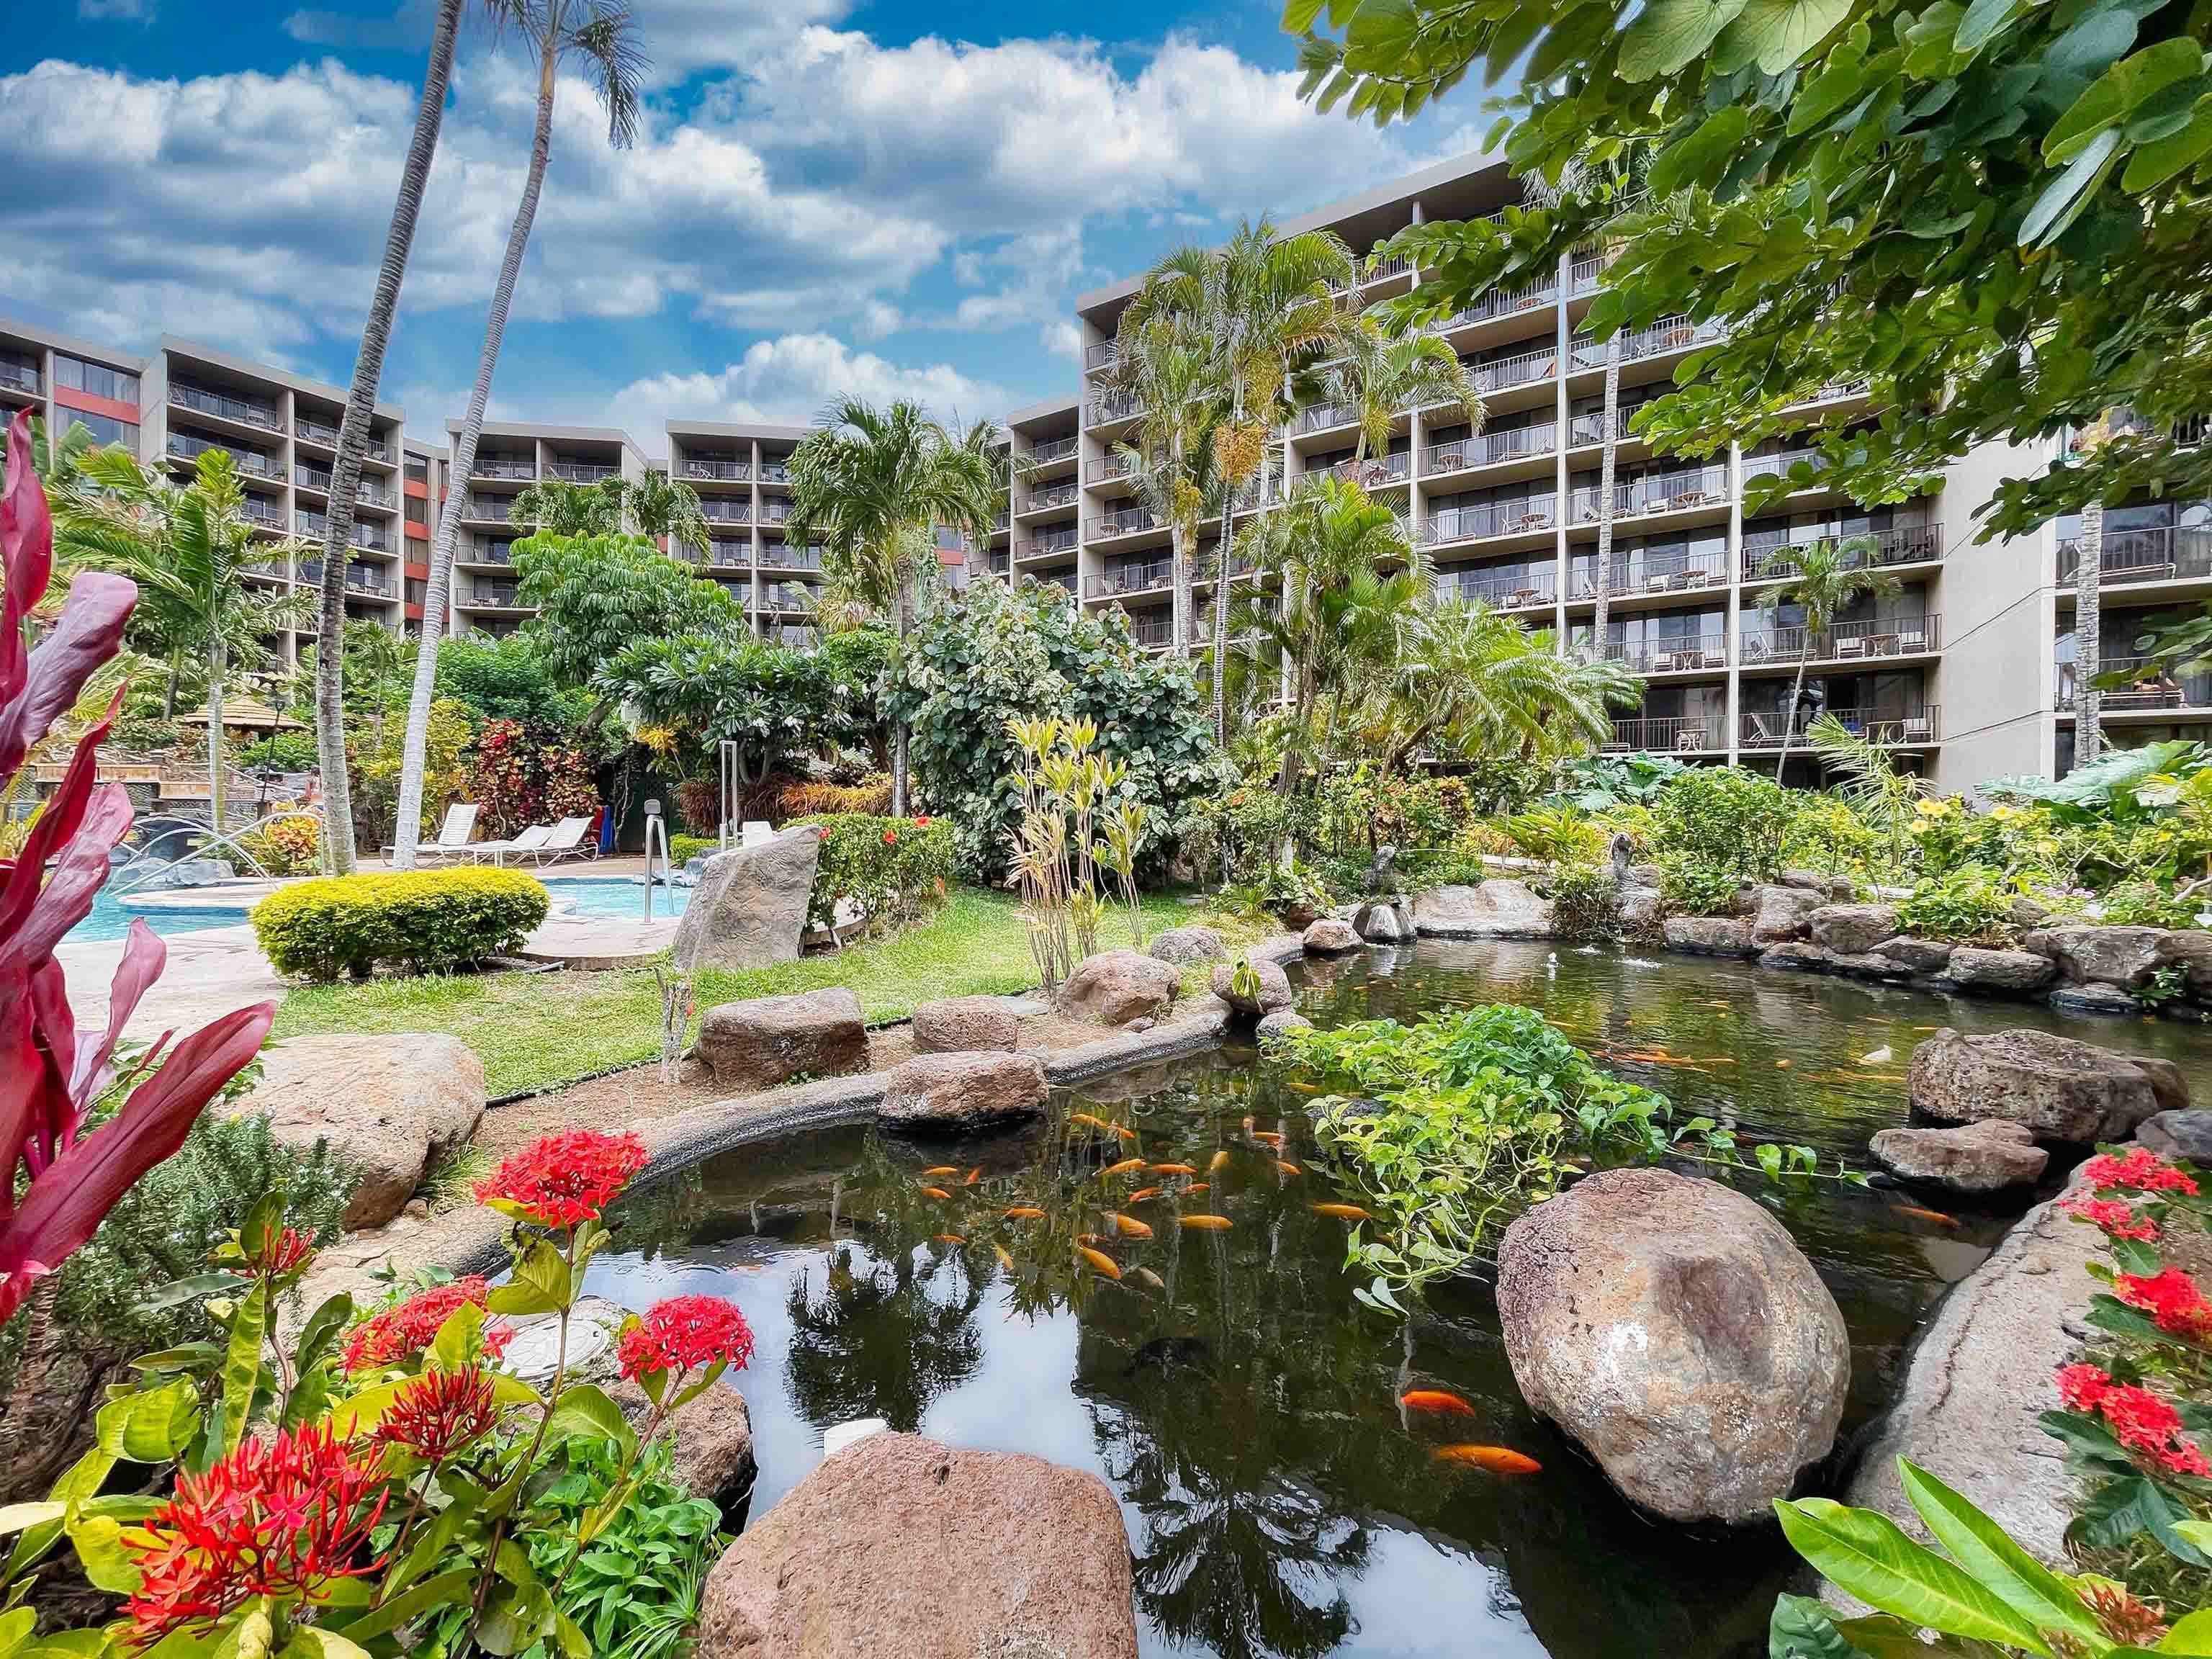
(114, 409)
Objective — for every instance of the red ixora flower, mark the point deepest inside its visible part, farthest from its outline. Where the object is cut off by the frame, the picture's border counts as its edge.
(922, 821)
(566, 1179)
(685, 1333)
(890, 837)
(2171, 1298)
(2115, 1217)
(2139, 1420)
(435, 1414)
(279, 1254)
(2140, 1170)
(400, 1333)
(286, 1517)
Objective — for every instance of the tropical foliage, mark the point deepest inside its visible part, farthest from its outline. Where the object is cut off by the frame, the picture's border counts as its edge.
(598, 594)
(428, 921)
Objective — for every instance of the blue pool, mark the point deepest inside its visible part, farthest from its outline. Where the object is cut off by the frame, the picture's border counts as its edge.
(613, 896)
(110, 920)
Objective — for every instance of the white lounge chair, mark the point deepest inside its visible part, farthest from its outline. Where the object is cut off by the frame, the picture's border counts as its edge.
(755, 832)
(565, 841)
(525, 842)
(454, 834)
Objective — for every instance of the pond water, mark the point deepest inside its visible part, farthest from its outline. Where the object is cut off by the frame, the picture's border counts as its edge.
(1241, 1406)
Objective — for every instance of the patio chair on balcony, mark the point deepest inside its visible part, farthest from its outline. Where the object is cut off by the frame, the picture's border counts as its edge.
(1689, 740)
(1765, 732)
(1912, 636)
(1850, 645)
(1662, 662)
(1915, 728)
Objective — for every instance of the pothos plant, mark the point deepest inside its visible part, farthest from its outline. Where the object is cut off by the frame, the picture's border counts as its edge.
(378, 1478)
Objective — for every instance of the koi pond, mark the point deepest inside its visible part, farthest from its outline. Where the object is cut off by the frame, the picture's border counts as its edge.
(1279, 1499)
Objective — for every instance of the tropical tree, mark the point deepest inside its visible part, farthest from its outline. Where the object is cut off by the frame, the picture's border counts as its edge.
(655, 505)
(872, 486)
(1165, 363)
(2089, 616)
(1381, 372)
(595, 35)
(189, 549)
(597, 595)
(353, 426)
(1823, 578)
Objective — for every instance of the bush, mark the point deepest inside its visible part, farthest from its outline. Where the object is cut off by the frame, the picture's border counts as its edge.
(1253, 822)
(888, 867)
(1826, 836)
(1552, 832)
(1692, 886)
(525, 774)
(804, 799)
(681, 849)
(1725, 817)
(1584, 904)
(2145, 904)
(426, 921)
(1971, 905)
(280, 751)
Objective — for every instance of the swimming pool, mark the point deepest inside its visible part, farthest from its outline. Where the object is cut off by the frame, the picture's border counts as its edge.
(110, 920)
(614, 896)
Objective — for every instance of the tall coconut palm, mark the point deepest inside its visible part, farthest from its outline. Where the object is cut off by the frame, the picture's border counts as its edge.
(2089, 616)
(353, 427)
(1380, 374)
(595, 35)
(189, 549)
(1167, 364)
(1823, 578)
(872, 486)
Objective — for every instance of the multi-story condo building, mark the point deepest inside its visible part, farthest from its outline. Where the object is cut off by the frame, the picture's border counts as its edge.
(511, 456)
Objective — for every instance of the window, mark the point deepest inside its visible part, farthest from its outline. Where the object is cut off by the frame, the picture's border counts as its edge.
(417, 589)
(418, 511)
(418, 471)
(96, 379)
(105, 428)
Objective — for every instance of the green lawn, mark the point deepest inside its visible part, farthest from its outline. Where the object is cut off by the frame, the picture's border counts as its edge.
(539, 1030)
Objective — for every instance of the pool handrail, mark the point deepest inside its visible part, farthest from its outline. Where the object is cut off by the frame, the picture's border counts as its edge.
(118, 884)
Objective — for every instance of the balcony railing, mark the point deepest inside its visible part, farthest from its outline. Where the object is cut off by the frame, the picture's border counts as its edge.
(1904, 544)
(246, 413)
(370, 583)
(1487, 449)
(1516, 593)
(499, 553)
(1377, 471)
(313, 431)
(1907, 727)
(1045, 454)
(1670, 334)
(2150, 686)
(502, 466)
(1776, 465)
(263, 513)
(487, 507)
(1152, 632)
(797, 598)
(776, 471)
(725, 555)
(1102, 407)
(582, 472)
(999, 564)
(1127, 522)
(1056, 541)
(716, 510)
(1671, 492)
(1467, 524)
(1583, 273)
(1101, 354)
(1062, 580)
(496, 595)
(1845, 642)
(1501, 303)
(1059, 494)
(1264, 491)
(777, 511)
(17, 378)
(725, 471)
(1706, 652)
(1104, 468)
(250, 462)
(1590, 428)
(1132, 579)
(1687, 573)
(1379, 270)
(2164, 554)
(1673, 734)
(317, 525)
(781, 556)
(319, 478)
(1522, 369)
(1316, 416)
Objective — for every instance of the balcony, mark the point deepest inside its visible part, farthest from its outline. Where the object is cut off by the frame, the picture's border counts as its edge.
(1047, 454)
(1905, 544)
(502, 466)
(1494, 374)
(1497, 303)
(999, 564)
(582, 472)
(781, 556)
(1314, 417)
(1527, 592)
(495, 596)
(370, 584)
(776, 471)
(1101, 355)
(796, 636)
(1377, 471)
(2162, 555)
(2150, 688)
(1152, 632)
(1845, 642)
(308, 429)
(1151, 578)
(1702, 654)
(1471, 524)
(499, 553)
(317, 478)
(262, 515)
(1590, 428)
(721, 472)
(251, 463)
(1640, 579)
(1126, 522)
(1043, 500)
(1680, 734)
(1672, 492)
(716, 510)
(1263, 491)
(1660, 340)
(1488, 448)
(1778, 465)
(243, 410)
(725, 555)
(1899, 728)
(491, 508)
(16, 377)
(777, 511)
(797, 600)
(1582, 274)
(1104, 469)
(1055, 541)
(1103, 408)
(317, 525)
(1062, 580)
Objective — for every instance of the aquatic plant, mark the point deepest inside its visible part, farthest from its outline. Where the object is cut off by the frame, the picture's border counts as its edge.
(1068, 787)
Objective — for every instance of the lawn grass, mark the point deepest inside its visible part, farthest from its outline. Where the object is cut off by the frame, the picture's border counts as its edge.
(538, 1031)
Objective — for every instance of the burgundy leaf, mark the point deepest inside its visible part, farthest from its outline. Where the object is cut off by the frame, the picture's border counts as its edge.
(22, 1072)
(77, 877)
(27, 549)
(88, 634)
(143, 957)
(53, 1028)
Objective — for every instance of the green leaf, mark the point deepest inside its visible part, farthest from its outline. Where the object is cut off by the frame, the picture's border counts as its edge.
(1703, 157)
(2119, 91)
(2064, 197)
(1984, 19)
(540, 1283)
(242, 1371)
(1799, 1628)
(2154, 163)
(98, 1540)
(584, 1412)
(1777, 34)
(1668, 33)
(197, 1288)
(448, 1589)
(456, 1342)
(1867, 1555)
(1298, 16)
(152, 1426)
(361, 1414)
(1981, 1547)
(2192, 1635)
(313, 1642)
(319, 1335)
(15, 1626)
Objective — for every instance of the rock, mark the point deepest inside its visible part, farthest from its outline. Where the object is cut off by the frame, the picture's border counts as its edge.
(1184, 945)
(964, 1025)
(1852, 928)
(1330, 936)
(390, 1106)
(1780, 912)
(1974, 969)
(1501, 908)
(898, 1544)
(1870, 964)
(1798, 955)
(2024, 912)
(1669, 1325)
(1809, 881)
(962, 1091)
(2106, 1000)
(710, 1440)
(1917, 956)
(2124, 957)
(748, 907)
(1710, 936)
(1282, 1020)
(765, 1040)
(2189, 949)
(1115, 986)
(1975, 1157)
(2059, 1088)
(1273, 991)
(1641, 909)
(2167, 1081)
(1645, 875)
(1384, 921)
(2184, 1134)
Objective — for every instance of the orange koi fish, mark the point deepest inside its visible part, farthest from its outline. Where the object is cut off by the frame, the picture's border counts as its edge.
(1267, 1138)
(1123, 1130)
(1915, 1213)
(1023, 1212)
(1005, 1260)
(1085, 1117)
(1194, 1188)
(974, 1176)
(937, 1193)
(1151, 1279)
(941, 1169)
(1288, 1168)
(1100, 1261)
(947, 1238)
(1144, 1193)
(1498, 1460)
(1212, 1224)
(1436, 1399)
(1174, 1168)
(1130, 1227)
(1126, 1166)
(1781, 1064)
(1343, 1212)
(1094, 1238)
(1217, 1160)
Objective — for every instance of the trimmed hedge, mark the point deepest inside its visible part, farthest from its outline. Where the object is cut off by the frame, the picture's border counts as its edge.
(426, 921)
(888, 866)
(681, 849)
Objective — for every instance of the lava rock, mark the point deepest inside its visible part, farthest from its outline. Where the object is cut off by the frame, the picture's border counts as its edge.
(2122, 956)
(1710, 936)
(2183, 1134)
(764, 1041)
(1500, 908)
(962, 1091)
(1917, 955)
(1798, 955)
(1870, 964)
(1852, 929)
(710, 1440)
(1282, 1020)
(1273, 991)
(1780, 912)
(965, 1025)
(1671, 1327)
(1184, 945)
(2191, 949)
(1986, 1156)
(750, 905)
(1384, 921)
(1330, 936)
(1641, 909)
(2057, 1087)
(1115, 986)
(2106, 1000)
(1973, 968)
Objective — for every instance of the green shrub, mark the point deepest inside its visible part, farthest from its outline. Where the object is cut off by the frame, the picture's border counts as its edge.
(280, 751)
(425, 920)
(1556, 833)
(681, 849)
(1584, 903)
(1826, 836)
(1694, 886)
(2145, 904)
(1971, 905)
(1252, 820)
(1725, 817)
(888, 866)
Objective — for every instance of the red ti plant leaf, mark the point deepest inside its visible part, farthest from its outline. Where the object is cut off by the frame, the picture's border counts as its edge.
(91, 1069)
(26, 551)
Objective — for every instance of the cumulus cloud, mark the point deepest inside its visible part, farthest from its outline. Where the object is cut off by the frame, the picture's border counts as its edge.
(788, 380)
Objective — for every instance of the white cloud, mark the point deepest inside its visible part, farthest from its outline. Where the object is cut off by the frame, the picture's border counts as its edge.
(1063, 338)
(788, 380)
(122, 11)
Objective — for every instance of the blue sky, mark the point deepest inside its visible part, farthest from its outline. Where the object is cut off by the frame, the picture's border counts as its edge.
(828, 195)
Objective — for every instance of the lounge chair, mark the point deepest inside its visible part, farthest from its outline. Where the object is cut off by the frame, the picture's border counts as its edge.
(525, 842)
(565, 841)
(454, 834)
(1763, 735)
(755, 832)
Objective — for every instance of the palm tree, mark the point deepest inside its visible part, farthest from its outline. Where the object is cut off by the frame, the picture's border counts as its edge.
(662, 506)
(189, 549)
(597, 34)
(1380, 374)
(872, 486)
(353, 427)
(2090, 615)
(1824, 578)
(655, 505)
(1167, 365)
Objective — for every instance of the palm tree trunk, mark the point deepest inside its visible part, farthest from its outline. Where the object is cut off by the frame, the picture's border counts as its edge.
(413, 750)
(1184, 606)
(1789, 713)
(899, 613)
(1221, 636)
(1607, 467)
(2088, 636)
(215, 734)
(353, 442)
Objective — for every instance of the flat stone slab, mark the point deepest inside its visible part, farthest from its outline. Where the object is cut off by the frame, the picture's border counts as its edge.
(963, 1024)
(1501, 908)
(1974, 1157)
(961, 1090)
(765, 1040)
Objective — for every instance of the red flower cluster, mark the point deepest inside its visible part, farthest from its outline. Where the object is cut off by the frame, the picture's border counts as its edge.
(890, 837)
(279, 1254)
(684, 1333)
(2115, 1217)
(566, 1179)
(435, 1414)
(922, 821)
(2139, 1420)
(2140, 1170)
(2171, 1298)
(400, 1333)
(287, 1518)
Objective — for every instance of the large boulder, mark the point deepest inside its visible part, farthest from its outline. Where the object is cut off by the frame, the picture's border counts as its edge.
(897, 1544)
(748, 907)
(1798, 954)
(1641, 909)
(962, 1091)
(963, 1024)
(2186, 1135)
(1330, 936)
(1384, 921)
(1669, 1324)
(1710, 936)
(765, 1040)
(1781, 912)
(2125, 957)
(1926, 957)
(1501, 908)
(2093, 997)
(2189, 949)
(1272, 991)
(2059, 1087)
(1184, 945)
(710, 1439)
(1281, 1022)
(1986, 1156)
(1851, 929)
(1114, 987)
(1973, 968)
(390, 1106)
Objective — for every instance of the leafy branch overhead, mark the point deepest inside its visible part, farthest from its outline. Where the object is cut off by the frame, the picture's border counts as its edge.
(1993, 215)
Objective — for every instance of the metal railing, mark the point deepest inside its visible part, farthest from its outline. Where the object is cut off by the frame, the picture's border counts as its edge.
(1517, 592)
(582, 472)
(1777, 466)
(724, 556)
(1046, 454)
(252, 462)
(1500, 303)
(1132, 579)
(775, 472)
(1059, 494)
(1669, 492)
(1702, 653)
(1103, 406)
(321, 479)
(782, 555)
(1467, 524)
(1903, 544)
(315, 432)
(1590, 428)
(1685, 574)
(1152, 632)
(777, 511)
(719, 510)
(727, 471)
(2150, 686)
(487, 507)
(1263, 491)
(1059, 541)
(1377, 471)
(1103, 469)
(246, 413)
(2162, 554)
(999, 564)
(495, 596)
(1487, 449)
(1582, 274)
(1126, 522)
(786, 596)
(1669, 734)
(22, 379)
(479, 552)
(1520, 368)
(1669, 334)
(1920, 724)
(1101, 354)
(316, 525)
(357, 581)
(1845, 642)
(501, 466)
(262, 514)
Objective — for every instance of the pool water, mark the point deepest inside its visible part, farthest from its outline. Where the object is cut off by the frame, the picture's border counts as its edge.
(1240, 1405)
(109, 919)
(614, 896)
